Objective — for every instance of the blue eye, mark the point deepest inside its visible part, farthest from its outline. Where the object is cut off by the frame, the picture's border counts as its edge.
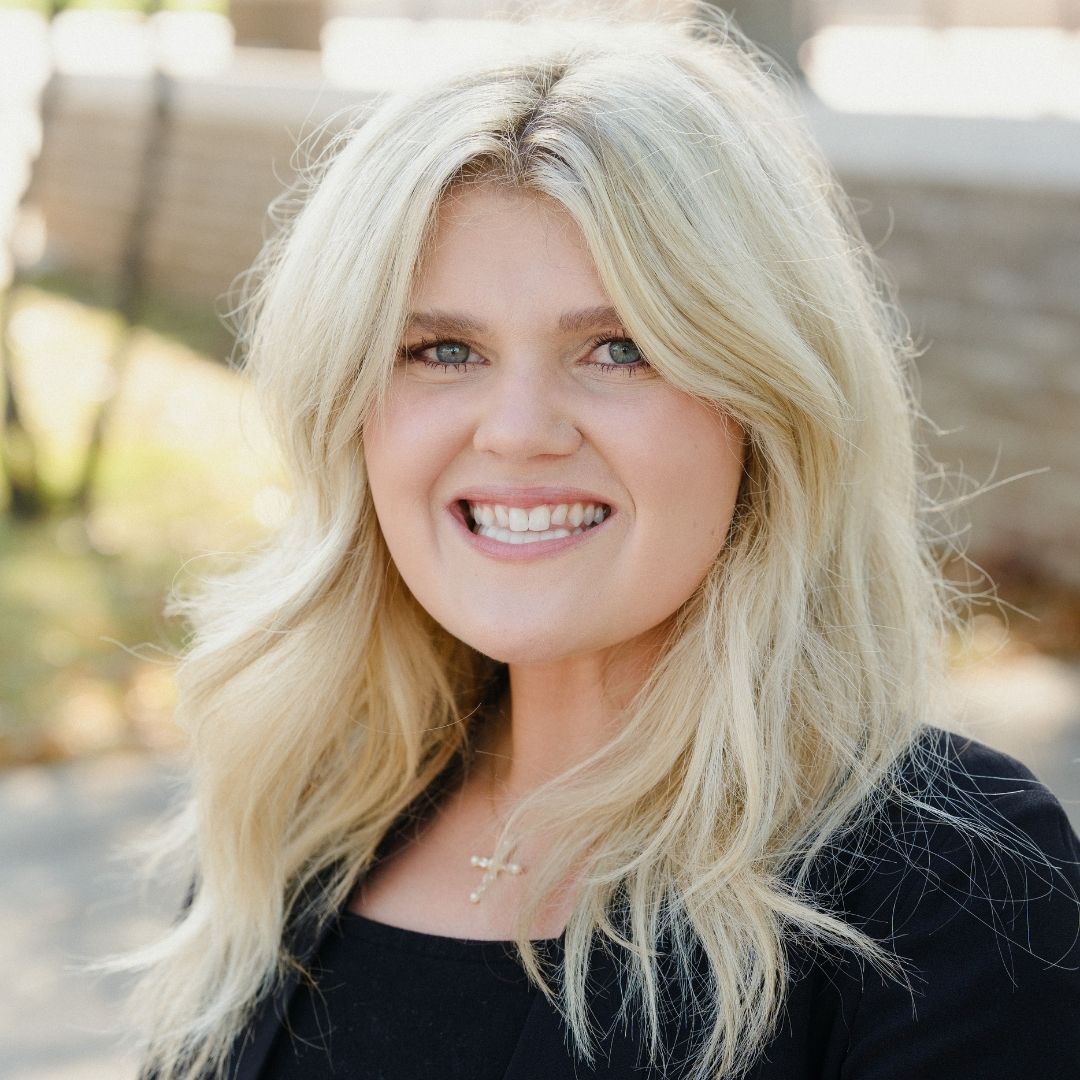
(451, 352)
(448, 355)
(624, 351)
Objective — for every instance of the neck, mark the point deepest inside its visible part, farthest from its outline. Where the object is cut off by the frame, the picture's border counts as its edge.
(559, 713)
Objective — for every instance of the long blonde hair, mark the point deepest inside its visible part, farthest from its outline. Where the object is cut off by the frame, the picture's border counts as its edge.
(321, 701)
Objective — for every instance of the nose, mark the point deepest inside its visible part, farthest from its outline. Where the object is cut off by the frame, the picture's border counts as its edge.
(526, 414)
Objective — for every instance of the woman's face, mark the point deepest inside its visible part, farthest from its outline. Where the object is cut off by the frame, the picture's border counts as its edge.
(509, 411)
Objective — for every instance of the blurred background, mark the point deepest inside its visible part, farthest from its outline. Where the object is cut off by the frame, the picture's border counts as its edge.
(140, 143)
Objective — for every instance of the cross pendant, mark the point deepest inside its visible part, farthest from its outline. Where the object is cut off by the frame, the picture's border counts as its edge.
(492, 868)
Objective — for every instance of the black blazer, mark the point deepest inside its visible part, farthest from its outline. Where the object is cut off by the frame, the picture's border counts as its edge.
(991, 939)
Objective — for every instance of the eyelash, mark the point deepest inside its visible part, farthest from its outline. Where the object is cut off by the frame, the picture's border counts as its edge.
(413, 353)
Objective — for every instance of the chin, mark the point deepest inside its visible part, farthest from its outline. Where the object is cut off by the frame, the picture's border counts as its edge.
(518, 653)
(522, 645)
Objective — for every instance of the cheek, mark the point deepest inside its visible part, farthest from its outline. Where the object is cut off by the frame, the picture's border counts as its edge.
(397, 459)
(687, 490)
(691, 457)
(404, 451)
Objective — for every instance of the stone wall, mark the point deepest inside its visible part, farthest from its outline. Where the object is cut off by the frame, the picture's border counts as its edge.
(978, 223)
(232, 147)
(989, 279)
(985, 251)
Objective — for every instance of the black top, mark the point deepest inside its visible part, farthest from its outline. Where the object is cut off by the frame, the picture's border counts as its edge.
(988, 929)
(396, 1004)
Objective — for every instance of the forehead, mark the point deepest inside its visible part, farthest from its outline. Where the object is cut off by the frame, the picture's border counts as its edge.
(491, 241)
(493, 207)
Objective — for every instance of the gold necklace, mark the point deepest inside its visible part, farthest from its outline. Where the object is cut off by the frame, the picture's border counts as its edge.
(494, 865)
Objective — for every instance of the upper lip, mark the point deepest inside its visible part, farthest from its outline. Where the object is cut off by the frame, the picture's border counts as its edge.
(527, 497)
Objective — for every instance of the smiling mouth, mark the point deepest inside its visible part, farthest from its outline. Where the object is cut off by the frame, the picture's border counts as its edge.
(518, 525)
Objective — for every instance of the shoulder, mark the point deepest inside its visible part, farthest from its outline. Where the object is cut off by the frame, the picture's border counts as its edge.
(960, 817)
(965, 775)
(965, 835)
(970, 875)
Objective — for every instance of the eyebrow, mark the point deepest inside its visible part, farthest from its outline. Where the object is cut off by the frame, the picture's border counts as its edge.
(450, 322)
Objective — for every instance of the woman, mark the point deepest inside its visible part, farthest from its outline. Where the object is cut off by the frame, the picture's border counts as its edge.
(581, 719)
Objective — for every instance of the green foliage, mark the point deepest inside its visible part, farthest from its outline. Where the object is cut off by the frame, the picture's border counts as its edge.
(44, 6)
(190, 324)
(187, 470)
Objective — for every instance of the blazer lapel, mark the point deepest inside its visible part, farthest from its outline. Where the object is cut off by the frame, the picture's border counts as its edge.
(540, 1050)
(544, 1047)
(250, 1050)
(543, 1050)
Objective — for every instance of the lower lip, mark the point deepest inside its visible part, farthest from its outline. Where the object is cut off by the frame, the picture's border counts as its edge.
(536, 549)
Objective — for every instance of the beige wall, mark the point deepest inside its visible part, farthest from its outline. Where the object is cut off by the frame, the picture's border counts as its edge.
(230, 149)
(283, 24)
(988, 278)
(987, 269)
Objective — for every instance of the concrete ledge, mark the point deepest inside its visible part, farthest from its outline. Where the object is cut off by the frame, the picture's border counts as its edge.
(992, 152)
(267, 94)
(982, 152)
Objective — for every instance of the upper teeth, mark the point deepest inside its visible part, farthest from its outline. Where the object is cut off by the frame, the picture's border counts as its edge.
(538, 518)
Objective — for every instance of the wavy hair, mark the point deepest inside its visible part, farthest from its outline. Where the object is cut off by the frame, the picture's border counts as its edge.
(321, 701)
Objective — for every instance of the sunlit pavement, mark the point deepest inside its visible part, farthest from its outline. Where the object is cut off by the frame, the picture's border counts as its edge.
(66, 899)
